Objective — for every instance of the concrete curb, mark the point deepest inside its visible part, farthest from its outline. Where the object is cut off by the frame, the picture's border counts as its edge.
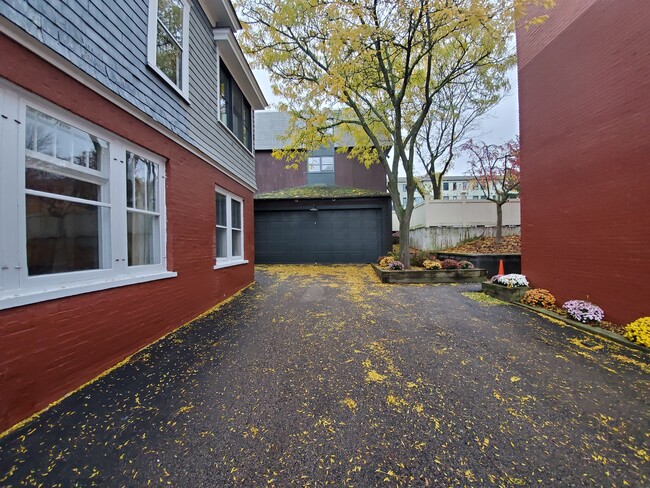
(588, 328)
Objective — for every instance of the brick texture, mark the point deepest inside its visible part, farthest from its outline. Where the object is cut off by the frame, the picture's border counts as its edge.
(50, 348)
(584, 90)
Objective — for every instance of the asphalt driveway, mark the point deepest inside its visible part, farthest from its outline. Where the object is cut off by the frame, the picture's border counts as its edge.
(322, 375)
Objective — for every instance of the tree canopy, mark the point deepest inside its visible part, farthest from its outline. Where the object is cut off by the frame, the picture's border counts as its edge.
(374, 68)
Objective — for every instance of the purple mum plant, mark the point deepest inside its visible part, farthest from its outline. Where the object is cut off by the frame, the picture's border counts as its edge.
(465, 265)
(395, 265)
(583, 311)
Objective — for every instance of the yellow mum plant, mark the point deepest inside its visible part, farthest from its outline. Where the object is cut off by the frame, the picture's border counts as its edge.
(432, 264)
(639, 331)
(386, 261)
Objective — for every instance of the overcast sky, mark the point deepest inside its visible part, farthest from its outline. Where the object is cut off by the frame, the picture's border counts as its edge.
(496, 127)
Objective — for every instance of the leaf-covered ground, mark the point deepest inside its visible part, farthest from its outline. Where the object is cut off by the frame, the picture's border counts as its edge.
(488, 245)
(322, 375)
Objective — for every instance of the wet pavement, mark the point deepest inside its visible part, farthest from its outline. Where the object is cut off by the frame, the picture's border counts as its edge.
(322, 375)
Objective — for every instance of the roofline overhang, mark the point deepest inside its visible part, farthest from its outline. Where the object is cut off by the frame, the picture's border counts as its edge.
(221, 13)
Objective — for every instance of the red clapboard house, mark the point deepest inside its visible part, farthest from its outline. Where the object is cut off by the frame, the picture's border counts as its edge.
(127, 177)
(584, 97)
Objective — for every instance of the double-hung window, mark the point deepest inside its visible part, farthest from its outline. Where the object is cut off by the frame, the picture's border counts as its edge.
(235, 111)
(80, 208)
(229, 229)
(168, 41)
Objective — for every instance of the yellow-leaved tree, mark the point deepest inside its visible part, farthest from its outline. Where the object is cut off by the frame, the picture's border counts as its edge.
(373, 68)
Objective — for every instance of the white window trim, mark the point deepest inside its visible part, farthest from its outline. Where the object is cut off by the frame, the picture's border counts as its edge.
(17, 288)
(152, 30)
(230, 260)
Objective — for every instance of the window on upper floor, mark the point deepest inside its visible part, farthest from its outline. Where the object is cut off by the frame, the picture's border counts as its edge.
(454, 186)
(235, 111)
(320, 164)
(168, 41)
(81, 209)
(445, 186)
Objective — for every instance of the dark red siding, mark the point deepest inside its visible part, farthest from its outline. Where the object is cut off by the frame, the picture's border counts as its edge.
(350, 172)
(50, 348)
(584, 90)
(272, 174)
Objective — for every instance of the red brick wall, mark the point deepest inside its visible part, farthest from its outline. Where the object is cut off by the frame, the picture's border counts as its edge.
(50, 348)
(584, 90)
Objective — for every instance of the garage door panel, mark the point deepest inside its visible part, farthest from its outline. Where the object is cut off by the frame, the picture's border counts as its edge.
(325, 236)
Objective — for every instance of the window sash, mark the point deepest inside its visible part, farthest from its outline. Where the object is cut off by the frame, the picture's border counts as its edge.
(235, 111)
(158, 29)
(229, 245)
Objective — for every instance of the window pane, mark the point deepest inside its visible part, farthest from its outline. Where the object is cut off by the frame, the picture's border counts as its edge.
(64, 144)
(143, 238)
(168, 56)
(327, 163)
(313, 165)
(36, 179)
(130, 168)
(63, 236)
(89, 151)
(141, 183)
(236, 214)
(236, 243)
(152, 187)
(222, 218)
(222, 243)
(51, 137)
(225, 97)
(170, 14)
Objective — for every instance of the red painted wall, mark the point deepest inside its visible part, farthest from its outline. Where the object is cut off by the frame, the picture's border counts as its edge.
(584, 91)
(50, 348)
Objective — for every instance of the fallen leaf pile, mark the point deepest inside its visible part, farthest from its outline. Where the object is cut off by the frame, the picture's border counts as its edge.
(488, 245)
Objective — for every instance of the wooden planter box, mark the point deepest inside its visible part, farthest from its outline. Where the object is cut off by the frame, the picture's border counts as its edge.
(475, 275)
(503, 292)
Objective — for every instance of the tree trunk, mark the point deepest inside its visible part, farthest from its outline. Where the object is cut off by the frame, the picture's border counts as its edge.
(436, 186)
(499, 221)
(405, 240)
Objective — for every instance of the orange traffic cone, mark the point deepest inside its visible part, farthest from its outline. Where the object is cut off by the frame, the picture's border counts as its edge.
(501, 271)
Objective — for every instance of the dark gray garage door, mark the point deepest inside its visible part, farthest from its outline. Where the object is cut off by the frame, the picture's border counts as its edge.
(325, 236)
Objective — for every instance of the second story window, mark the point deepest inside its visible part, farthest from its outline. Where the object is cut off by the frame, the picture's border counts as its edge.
(168, 41)
(322, 164)
(234, 110)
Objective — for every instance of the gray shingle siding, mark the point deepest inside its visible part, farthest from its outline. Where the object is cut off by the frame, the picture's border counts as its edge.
(107, 40)
(203, 113)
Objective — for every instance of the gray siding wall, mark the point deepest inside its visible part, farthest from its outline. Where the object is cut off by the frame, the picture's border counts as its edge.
(108, 41)
(203, 112)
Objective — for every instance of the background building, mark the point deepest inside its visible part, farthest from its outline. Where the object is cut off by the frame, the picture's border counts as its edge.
(332, 209)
